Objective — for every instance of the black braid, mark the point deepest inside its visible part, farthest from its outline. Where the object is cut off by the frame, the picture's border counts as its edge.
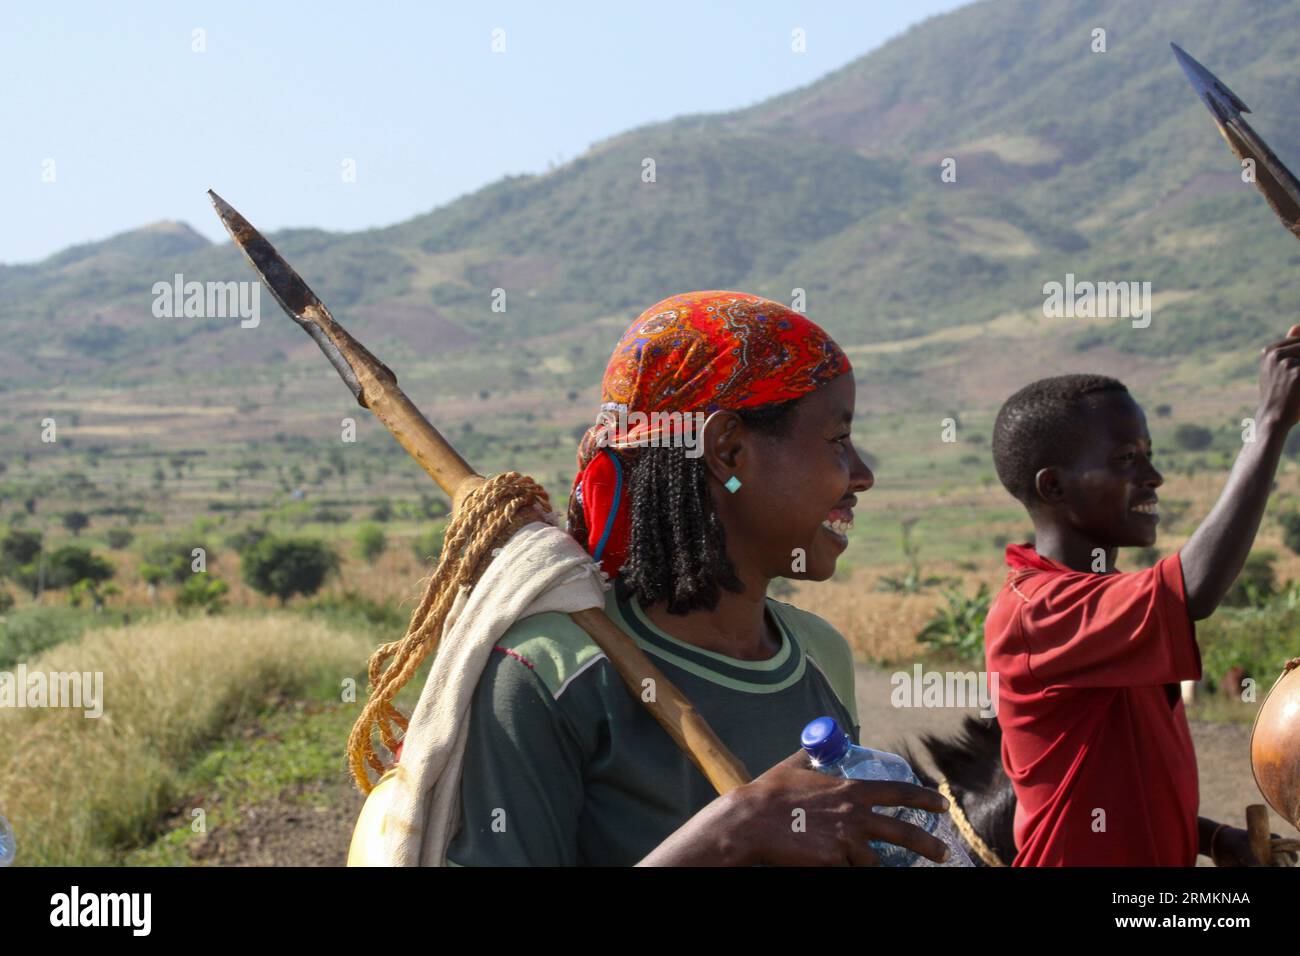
(677, 548)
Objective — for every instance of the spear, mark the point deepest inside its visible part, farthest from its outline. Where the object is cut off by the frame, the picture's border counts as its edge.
(374, 386)
(1274, 180)
(1275, 758)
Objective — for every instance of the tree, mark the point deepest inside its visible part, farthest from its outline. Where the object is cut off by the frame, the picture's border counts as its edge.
(153, 576)
(283, 567)
(371, 542)
(94, 590)
(241, 541)
(202, 592)
(18, 548)
(174, 559)
(65, 567)
(75, 521)
(119, 538)
(1193, 437)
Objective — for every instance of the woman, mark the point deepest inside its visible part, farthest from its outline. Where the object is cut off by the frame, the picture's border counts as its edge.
(691, 515)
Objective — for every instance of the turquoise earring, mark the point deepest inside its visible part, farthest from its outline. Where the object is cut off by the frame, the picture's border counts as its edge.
(732, 484)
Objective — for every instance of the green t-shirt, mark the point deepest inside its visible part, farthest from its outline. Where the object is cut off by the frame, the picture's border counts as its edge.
(564, 766)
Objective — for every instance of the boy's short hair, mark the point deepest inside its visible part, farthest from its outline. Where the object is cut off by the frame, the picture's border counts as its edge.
(1038, 427)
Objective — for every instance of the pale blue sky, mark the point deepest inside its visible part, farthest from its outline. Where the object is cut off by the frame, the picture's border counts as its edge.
(138, 125)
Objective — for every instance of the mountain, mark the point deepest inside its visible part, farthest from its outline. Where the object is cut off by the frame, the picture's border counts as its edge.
(1103, 165)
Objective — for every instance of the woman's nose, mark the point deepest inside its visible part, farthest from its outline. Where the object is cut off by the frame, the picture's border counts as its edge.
(862, 477)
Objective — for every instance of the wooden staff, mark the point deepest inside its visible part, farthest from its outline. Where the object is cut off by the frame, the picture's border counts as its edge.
(374, 386)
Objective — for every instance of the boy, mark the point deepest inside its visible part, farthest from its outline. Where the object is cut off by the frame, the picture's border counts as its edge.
(1095, 739)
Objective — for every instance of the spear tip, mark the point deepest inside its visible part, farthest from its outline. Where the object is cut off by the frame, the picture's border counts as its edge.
(1221, 100)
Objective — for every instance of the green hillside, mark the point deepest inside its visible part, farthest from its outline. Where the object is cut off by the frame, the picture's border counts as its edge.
(1104, 165)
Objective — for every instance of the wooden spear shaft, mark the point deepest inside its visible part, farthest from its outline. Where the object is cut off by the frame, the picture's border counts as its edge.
(375, 387)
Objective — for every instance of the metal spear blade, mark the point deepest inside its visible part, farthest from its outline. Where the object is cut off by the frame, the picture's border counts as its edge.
(301, 304)
(1278, 184)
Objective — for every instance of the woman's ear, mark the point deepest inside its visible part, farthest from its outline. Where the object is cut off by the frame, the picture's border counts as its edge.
(723, 444)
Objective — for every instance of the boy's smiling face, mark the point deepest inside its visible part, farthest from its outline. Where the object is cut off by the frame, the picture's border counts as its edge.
(1108, 493)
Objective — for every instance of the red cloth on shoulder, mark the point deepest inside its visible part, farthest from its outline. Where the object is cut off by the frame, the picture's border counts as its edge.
(1094, 735)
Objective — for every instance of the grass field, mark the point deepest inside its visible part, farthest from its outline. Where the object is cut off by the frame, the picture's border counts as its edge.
(80, 790)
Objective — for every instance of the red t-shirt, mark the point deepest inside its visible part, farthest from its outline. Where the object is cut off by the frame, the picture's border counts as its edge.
(1092, 719)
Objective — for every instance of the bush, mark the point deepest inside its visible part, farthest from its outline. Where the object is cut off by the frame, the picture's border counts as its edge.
(283, 567)
(1290, 522)
(1256, 583)
(6, 601)
(18, 548)
(1258, 640)
(241, 541)
(64, 567)
(75, 521)
(170, 561)
(959, 627)
(202, 592)
(1193, 437)
(431, 507)
(428, 546)
(354, 612)
(119, 538)
(26, 632)
(371, 542)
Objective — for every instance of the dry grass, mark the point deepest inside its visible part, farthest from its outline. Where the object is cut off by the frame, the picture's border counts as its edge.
(881, 627)
(77, 790)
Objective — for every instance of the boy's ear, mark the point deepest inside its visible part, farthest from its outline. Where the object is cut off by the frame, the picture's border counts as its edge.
(1048, 485)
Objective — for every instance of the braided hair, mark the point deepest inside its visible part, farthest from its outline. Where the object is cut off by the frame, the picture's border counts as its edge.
(677, 548)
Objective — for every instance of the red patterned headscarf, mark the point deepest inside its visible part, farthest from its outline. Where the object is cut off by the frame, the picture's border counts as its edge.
(698, 352)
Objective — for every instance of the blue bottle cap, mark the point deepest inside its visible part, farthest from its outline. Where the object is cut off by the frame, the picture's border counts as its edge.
(823, 740)
(8, 846)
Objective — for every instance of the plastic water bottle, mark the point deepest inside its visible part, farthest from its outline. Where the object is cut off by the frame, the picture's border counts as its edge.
(834, 754)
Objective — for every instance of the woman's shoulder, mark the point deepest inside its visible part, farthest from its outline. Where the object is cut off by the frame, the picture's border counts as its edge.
(814, 631)
(825, 645)
(552, 646)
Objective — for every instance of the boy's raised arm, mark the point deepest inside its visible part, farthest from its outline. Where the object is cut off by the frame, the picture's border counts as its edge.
(1217, 550)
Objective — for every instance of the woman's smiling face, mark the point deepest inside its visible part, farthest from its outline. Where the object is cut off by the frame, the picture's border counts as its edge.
(790, 516)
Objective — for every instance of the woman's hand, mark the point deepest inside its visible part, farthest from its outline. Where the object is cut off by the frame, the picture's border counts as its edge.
(794, 816)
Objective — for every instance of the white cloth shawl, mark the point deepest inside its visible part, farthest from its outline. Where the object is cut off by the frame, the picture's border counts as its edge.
(542, 568)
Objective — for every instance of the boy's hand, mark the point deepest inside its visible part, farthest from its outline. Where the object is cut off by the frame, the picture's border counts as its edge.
(1216, 552)
(1279, 380)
